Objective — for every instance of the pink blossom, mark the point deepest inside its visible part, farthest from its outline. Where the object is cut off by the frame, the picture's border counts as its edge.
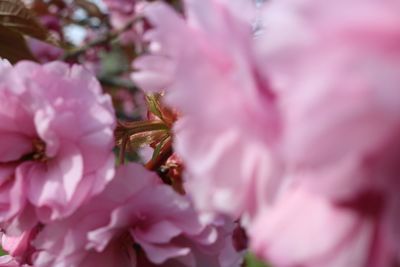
(56, 137)
(331, 122)
(337, 77)
(20, 247)
(8, 261)
(212, 247)
(136, 216)
(120, 11)
(356, 59)
(244, 9)
(229, 122)
(123, 12)
(335, 67)
(42, 51)
(304, 229)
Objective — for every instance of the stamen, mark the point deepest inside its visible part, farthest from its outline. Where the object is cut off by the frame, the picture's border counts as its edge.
(39, 150)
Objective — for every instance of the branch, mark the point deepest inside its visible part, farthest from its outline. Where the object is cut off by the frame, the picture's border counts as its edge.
(117, 82)
(100, 41)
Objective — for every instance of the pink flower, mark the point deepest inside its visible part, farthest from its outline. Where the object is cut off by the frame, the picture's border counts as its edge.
(244, 9)
(56, 137)
(43, 51)
(8, 261)
(336, 68)
(151, 221)
(304, 229)
(120, 11)
(229, 122)
(136, 216)
(123, 12)
(331, 123)
(212, 247)
(20, 247)
(351, 106)
(338, 76)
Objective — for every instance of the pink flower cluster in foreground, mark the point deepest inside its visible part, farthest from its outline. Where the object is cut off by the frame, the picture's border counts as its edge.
(296, 131)
(62, 201)
(288, 139)
(56, 140)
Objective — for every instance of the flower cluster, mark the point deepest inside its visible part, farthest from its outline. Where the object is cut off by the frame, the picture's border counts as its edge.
(205, 130)
(63, 202)
(294, 130)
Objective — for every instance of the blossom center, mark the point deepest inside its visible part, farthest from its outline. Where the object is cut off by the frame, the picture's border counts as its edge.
(39, 150)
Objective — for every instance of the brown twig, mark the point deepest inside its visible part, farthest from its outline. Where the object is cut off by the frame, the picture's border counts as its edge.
(98, 42)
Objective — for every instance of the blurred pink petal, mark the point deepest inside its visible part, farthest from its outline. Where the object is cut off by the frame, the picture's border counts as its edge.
(224, 103)
(135, 210)
(306, 230)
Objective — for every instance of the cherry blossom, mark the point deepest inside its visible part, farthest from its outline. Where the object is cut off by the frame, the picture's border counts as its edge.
(227, 147)
(136, 216)
(56, 141)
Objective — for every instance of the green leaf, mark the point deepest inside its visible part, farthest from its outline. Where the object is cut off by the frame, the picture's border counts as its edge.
(15, 16)
(158, 148)
(153, 104)
(252, 261)
(2, 252)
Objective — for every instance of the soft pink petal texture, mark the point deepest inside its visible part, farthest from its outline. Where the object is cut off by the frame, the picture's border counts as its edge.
(111, 256)
(160, 233)
(230, 167)
(8, 261)
(353, 54)
(155, 75)
(152, 222)
(64, 172)
(13, 146)
(122, 12)
(313, 101)
(316, 232)
(25, 219)
(57, 129)
(44, 52)
(15, 246)
(14, 115)
(12, 193)
(335, 69)
(214, 246)
(20, 247)
(246, 10)
(55, 183)
(135, 208)
(15, 130)
(4, 63)
(159, 253)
